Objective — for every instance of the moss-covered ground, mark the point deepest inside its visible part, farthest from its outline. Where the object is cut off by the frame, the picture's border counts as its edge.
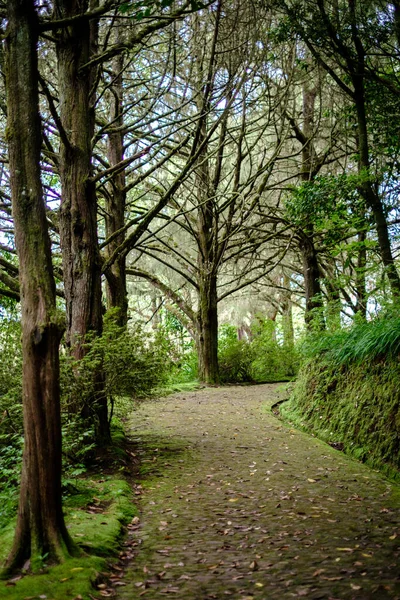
(236, 504)
(97, 509)
(355, 407)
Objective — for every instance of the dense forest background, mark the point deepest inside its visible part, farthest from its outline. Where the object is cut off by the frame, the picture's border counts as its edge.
(191, 191)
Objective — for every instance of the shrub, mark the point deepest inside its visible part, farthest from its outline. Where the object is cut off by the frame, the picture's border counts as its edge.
(271, 360)
(235, 356)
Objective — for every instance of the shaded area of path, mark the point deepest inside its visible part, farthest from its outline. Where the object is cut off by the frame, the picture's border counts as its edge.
(237, 505)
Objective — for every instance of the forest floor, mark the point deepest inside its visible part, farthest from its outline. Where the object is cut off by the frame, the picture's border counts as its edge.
(236, 504)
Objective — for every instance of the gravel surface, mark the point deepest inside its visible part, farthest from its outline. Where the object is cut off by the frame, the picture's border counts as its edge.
(235, 504)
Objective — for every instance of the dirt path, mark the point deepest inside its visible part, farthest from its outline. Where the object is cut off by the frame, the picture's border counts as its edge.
(237, 505)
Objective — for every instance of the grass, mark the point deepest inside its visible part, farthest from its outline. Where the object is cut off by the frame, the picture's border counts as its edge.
(347, 393)
(364, 342)
(97, 506)
(173, 388)
(95, 515)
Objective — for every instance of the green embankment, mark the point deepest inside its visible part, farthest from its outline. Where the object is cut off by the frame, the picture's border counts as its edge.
(352, 402)
(95, 514)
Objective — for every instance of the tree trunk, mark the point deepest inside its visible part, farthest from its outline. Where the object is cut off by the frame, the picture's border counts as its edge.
(311, 271)
(40, 527)
(370, 196)
(361, 288)
(207, 342)
(313, 293)
(78, 213)
(116, 201)
(287, 314)
(207, 273)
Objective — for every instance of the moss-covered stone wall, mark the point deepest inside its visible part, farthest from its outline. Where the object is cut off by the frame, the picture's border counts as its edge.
(355, 408)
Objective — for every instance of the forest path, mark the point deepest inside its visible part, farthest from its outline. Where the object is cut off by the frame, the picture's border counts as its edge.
(237, 505)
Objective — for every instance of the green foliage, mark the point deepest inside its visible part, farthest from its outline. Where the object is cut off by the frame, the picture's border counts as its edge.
(325, 202)
(134, 364)
(185, 367)
(322, 198)
(366, 341)
(180, 348)
(235, 356)
(347, 391)
(262, 358)
(271, 360)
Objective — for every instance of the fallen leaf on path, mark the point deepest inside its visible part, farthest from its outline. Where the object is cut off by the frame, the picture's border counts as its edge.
(318, 572)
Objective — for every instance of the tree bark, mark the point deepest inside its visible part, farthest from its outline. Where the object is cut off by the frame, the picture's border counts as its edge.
(116, 201)
(207, 272)
(287, 314)
(313, 293)
(207, 324)
(40, 529)
(78, 213)
(311, 271)
(370, 196)
(361, 288)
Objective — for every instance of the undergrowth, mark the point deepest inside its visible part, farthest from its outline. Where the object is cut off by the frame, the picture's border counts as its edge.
(367, 341)
(97, 506)
(260, 358)
(347, 392)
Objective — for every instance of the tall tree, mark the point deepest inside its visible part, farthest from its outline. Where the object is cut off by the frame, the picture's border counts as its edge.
(215, 234)
(40, 527)
(338, 35)
(75, 46)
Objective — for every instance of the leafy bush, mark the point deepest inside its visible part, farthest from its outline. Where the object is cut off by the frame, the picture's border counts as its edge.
(185, 367)
(235, 356)
(272, 361)
(262, 358)
(133, 364)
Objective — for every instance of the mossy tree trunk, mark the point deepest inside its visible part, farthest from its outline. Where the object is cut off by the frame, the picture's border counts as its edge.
(361, 285)
(78, 215)
(40, 529)
(207, 329)
(311, 271)
(116, 201)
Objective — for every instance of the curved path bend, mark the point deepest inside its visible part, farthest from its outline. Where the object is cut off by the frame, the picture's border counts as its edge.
(234, 504)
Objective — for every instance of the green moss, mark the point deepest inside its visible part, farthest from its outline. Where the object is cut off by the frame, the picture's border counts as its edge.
(356, 405)
(173, 388)
(96, 513)
(99, 532)
(62, 582)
